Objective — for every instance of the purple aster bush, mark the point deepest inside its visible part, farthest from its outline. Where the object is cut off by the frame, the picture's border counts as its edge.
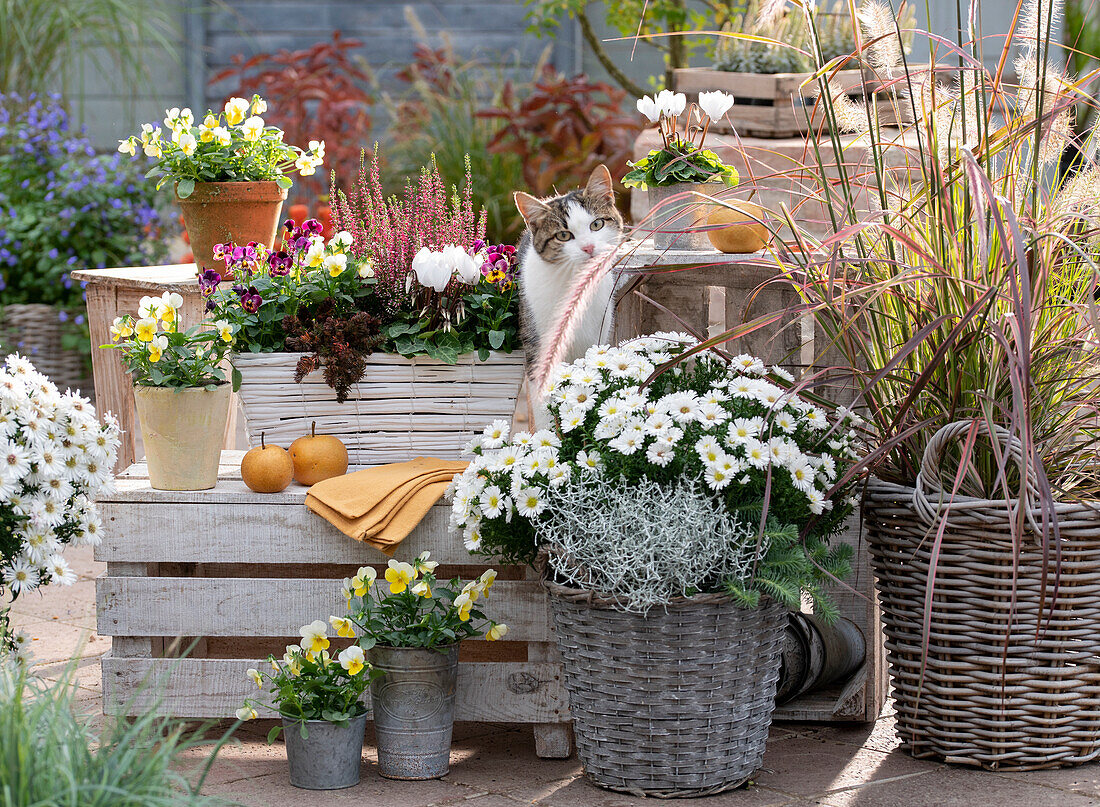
(63, 208)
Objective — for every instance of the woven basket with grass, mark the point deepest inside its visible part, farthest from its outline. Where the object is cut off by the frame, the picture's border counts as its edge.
(674, 703)
(34, 330)
(1004, 671)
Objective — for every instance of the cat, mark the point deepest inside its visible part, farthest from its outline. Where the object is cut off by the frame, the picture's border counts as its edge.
(564, 234)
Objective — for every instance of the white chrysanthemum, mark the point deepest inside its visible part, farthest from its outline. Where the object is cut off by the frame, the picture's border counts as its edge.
(544, 438)
(530, 502)
(495, 434)
(708, 449)
(589, 462)
(581, 397)
(60, 571)
(608, 428)
(472, 538)
(491, 502)
(711, 415)
(627, 443)
(15, 462)
(20, 576)
(571, 418)
(802, 474)
(716, 478)
(748, 364)
(660, 453)
(784, 422)
(683, 406)
(756, 453)
(714, 396)
(659, 424)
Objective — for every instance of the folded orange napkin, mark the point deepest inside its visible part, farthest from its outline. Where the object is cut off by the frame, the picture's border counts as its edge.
(381, 506)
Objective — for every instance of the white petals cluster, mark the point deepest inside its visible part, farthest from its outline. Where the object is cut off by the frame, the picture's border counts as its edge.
(55, 459)
(741, 428)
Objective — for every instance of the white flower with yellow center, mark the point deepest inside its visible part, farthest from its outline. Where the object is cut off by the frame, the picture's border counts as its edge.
(188, 143)
(225, 330)
(254, 676)
(157, 346)
(247, 713)
(221, 136)
(317, 147)
(399, 574)
(366, 269)
(235, 110)
(335, 264)
(343, 626)
(259, 106)
(496, 632)
(305, 165)
(253, 128)
(352, 659)
(145, 329)
(314, 637)
(127, 146)
(121, 328)
(530, 502)
(464, 602)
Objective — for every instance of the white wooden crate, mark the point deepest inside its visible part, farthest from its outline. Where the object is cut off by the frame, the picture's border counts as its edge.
(229, 570)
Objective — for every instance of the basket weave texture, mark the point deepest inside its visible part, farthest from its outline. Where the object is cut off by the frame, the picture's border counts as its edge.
(401, 408)
(676, 703)
(1006, 677)
(33, 330)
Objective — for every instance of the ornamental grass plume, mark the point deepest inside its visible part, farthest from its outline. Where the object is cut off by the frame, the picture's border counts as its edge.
(389, 232)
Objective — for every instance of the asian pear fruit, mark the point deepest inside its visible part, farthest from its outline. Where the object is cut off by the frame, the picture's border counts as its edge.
(267, 469)
(318, 456)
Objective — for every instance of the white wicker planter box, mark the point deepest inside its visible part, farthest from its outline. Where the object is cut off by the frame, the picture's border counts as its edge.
(402, 408)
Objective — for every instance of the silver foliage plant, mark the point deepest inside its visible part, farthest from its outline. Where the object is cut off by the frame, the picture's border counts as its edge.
(646, 543)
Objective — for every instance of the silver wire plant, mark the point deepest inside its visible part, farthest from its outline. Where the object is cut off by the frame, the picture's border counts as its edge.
(647, 543)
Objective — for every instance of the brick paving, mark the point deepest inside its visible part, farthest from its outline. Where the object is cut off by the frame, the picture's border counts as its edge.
(495, 765)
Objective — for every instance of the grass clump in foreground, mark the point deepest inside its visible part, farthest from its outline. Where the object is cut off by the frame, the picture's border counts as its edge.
(51, 755)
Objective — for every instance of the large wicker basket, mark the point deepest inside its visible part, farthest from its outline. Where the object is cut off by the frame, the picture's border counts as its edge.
(1005, 676)
(34, 330)
(402, 408)
(676, 703)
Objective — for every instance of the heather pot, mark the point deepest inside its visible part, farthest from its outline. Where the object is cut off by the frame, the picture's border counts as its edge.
(237, 212)
(182, 430)
(414, 709)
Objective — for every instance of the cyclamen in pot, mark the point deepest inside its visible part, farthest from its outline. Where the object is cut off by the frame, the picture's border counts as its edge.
(180, 390)
(228, 172)
(319, 699)
(681, 174)
(676, 521)
(412, 635)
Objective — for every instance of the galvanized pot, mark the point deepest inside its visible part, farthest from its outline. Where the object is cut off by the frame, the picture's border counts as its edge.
(414, 710)
(329, 758)
(680, 223)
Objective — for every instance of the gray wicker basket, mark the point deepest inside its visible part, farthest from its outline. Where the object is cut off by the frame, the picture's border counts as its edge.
(673, 704)
(34, 330)
(971, 690)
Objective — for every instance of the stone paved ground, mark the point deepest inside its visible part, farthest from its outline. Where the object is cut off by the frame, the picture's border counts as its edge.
(495, 766)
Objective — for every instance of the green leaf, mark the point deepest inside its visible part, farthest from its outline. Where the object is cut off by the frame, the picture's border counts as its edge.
(185, 188)
(496, 339)
(274, 733)
(237, 378)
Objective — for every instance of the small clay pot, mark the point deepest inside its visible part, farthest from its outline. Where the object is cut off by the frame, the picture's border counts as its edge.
(237, 212)
(743, 232)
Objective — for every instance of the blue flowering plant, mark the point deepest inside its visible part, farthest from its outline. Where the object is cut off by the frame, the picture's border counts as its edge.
(64, 208)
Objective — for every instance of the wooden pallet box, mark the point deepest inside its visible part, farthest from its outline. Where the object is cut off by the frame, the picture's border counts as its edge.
(236, 573)
(782, 104)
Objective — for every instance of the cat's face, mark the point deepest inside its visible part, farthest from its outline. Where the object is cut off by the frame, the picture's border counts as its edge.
(574, 228)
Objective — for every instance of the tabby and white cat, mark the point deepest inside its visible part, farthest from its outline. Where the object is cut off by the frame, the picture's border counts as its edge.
(564, 234)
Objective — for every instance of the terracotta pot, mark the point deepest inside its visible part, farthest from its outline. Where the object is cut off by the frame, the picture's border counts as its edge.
(183, 431)
(220, 212)
(743, 232)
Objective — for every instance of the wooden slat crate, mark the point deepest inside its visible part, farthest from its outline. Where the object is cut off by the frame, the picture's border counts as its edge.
(237, 573)
(770, 105)
(402, 408)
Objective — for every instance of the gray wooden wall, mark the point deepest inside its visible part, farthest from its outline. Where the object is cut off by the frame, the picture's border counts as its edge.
(210, 32)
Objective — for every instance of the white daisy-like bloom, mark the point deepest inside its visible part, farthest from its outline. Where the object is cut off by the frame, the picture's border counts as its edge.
(571, 418)
(20, 576)
(596, 352)
(741, 429)
(711, 415)
(658, 424)
(581, 397)
(613, 407)
(609, 427)
(814, 419)
(472, 538)
(708, 449)
(530, 501)
(585, 377)
(589, 462)
(495, 433)
(779, 372)
(683, 406)
(506, 458)
(748, 364)
(544, 438)
(802, 474)
(627, 443)
(714, 396)
(784, 422)
(744, 388)
(60, 571)
(716, 478)
(491, 502)
(660, 453)
(767, 393)
(757, 454)
(818, 503)
(559, 475)
(780, 451)
(522, 438)
(15, 462)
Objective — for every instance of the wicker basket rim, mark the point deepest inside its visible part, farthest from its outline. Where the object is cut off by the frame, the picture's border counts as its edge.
(972, 503)
(598, 600)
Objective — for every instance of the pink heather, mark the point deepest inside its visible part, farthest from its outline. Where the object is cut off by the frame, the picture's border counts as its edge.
(389, 232)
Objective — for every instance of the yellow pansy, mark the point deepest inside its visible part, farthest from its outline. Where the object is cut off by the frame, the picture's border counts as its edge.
(121, 328)
(318, 148)
(363, 580)
(496, 632)
(472, 590)
(488, 577)
(222, 136)
(314, 638)
(366, 269)
(353, 660)
(259, 105)
(188, 143)
(253, 128)
(152, 150)
(399, 575)
(292, 659)
(336, 264)
(255, 676)
(423, 562)
(306, 165)
(225, 330)
(343, 627)
(346, 590)
(127, 146)
(157, 348)
(235, 110)
(246, 712)
(146, 329)
(422, 589)
(464, 602)
(209, 121)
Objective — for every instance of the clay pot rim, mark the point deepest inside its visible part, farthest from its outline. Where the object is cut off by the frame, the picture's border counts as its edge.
(258, 190)
(180, 390)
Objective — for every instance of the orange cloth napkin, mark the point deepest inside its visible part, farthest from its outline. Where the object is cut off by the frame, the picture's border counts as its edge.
(381, 506)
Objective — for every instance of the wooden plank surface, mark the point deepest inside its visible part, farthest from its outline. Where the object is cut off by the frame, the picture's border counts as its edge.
(271, 607)
(271, 533)
(507, 692)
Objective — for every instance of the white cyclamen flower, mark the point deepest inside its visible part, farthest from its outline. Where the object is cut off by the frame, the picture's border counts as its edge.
(647, 105)
(715, 104)
(430, 270)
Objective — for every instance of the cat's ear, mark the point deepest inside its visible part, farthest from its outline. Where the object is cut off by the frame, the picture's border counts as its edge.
(530, 207)
(599, 184)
